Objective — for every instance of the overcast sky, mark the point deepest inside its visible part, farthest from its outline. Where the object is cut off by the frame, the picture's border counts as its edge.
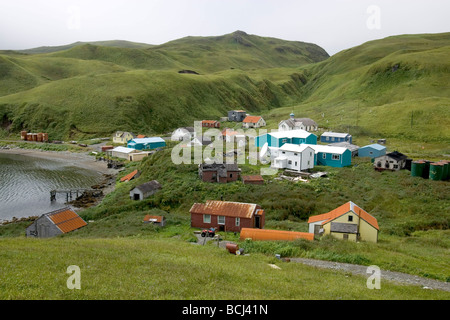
(334, 25)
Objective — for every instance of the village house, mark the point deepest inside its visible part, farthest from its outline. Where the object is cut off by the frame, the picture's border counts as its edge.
(227, 216)
(333, 137)
(55, 223)
(277, 139)
(121, 152)
(372, 151)
(145, 190)
(219, 172)
(138, 156)
(237, 115)
(354, 149)
(347, 222)
(146, 143)
(159, 221)
(293, 157)
(122, 137)
(183, 134)
(293, 123)
(337, 157)
(253, 122)
(210, 124)
(393, 161)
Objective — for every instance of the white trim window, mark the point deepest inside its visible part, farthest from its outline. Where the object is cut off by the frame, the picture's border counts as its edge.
(238, 222)
(220, 219)
(336, 157)
(206, 218)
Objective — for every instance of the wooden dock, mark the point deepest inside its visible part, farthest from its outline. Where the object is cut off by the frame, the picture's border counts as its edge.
(73, 192)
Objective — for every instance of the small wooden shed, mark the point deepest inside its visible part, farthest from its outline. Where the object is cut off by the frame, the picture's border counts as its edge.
(156, 220)
(145, 190)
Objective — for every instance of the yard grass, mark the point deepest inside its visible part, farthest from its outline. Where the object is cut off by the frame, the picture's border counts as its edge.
(170, 269)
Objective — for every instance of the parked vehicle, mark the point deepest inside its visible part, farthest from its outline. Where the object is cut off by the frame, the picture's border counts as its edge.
(211, 232)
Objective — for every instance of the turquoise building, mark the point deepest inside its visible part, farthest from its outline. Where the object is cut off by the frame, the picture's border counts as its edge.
(372, 151)
(329, 156)
(278, 139)
(146, 143)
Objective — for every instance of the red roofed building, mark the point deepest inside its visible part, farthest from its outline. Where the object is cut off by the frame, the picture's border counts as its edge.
(55, 223)
(348, 222)
(130, 176)
(210, 124)
(227, 216)
(253, 122)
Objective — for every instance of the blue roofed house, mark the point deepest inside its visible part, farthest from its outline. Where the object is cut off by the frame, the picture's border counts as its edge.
(372, 151)
(278, 139)
(336, 157)
(146, 143)
(333, 137)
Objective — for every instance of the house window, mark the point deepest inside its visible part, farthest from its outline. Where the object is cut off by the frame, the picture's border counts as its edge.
(395, 166)
(327, 138)
(238, 222)
(345, 236)
(289, 162)
(371, 153)
(295, 154)
(350, 218)
(221, 219)
(206, 218)
(231, 175)
(324, 155)
(296, 163)
(336, 157)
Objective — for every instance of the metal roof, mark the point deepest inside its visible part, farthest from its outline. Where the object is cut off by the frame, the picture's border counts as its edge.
(294, 147)
(336, 134)
(327, 149)
(291, 134)
(147, 140)
(252, 119)
(66, 219)
(150, 218)
(149, 186)
(375, 146)
(123, 150)
(225, 208)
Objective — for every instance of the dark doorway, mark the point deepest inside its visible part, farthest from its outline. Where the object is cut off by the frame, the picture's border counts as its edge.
(258, 222)
(136, 196)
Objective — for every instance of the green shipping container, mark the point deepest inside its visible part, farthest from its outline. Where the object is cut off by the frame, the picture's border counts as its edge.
(436, 171)
(417, 168)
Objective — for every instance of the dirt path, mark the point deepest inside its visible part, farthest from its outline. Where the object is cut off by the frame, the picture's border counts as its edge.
(385, 275)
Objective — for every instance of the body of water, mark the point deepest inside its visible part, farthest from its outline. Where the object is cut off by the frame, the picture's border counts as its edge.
(26, 182)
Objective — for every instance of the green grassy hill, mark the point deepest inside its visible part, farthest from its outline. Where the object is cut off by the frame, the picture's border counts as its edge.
(396, 87)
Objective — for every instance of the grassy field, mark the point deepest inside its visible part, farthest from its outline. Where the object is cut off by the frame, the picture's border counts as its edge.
(170, 269)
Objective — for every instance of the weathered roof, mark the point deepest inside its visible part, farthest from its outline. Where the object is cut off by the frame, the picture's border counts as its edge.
(297, 121)
(225, 208)
(129, 176)
(149, 186)
(345, 208)
(66, 219)
(150, 218)
(375, 146)
(252, 119)
(219, 166)
(141, 136)
(347, 145)
(335, 134)
(123, 150)
(397, 155)
(210, 121)
(147, 140)
(252, 178)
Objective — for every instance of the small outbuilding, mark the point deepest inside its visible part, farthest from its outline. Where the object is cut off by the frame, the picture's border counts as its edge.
(155, 220)
(255, 179)
(219, 172)
(121, 152)
(237, 115)
(334, 137)
(55, 223)
(210, 124)
(145, 190)
(393, 161)
(372, 151)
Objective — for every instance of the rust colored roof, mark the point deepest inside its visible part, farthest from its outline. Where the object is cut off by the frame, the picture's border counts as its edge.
(129, 176)
(252, 119)
(209, 121)
(141, 136)
(349, 206)
(229, 132)
(274, 235)
(158, 219)
(252, 178)
(225, 208)
(66, 220)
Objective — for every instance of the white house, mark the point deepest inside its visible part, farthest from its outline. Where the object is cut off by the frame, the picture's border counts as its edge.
(185, 133)
(293, 157)
(253, 122)
(293, 123)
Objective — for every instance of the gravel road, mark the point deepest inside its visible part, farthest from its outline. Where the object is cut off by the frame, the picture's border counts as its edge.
(385, 275)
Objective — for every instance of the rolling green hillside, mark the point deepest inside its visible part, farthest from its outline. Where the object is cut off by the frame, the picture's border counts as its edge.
(90, 90)
(395, 87)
